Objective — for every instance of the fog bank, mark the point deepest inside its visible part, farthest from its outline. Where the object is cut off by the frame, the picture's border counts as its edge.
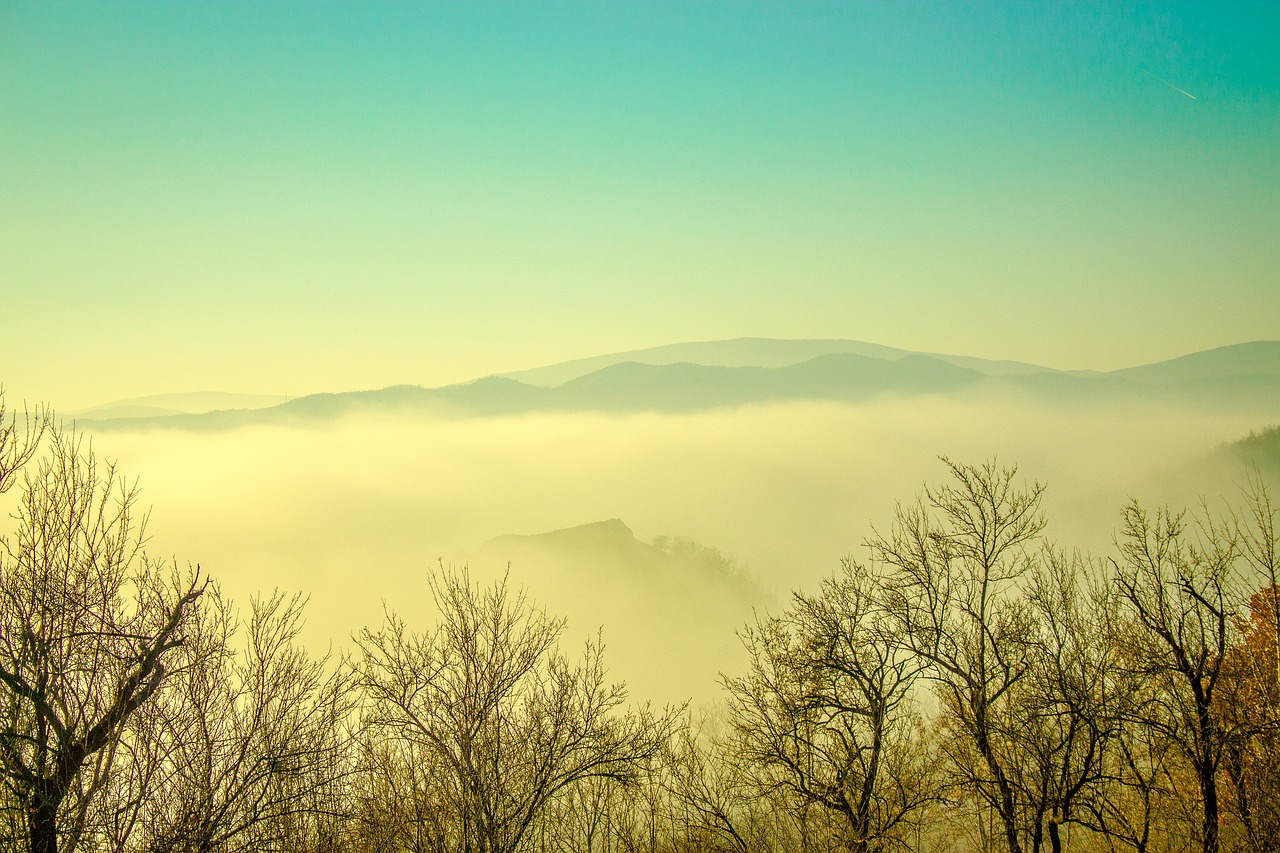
(355, 512)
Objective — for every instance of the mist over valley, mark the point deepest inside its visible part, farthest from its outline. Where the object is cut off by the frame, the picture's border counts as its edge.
(661, 427)
(782, 470)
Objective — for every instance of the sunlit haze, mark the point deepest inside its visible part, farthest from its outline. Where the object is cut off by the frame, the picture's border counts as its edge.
(671, 426)
(287, 197)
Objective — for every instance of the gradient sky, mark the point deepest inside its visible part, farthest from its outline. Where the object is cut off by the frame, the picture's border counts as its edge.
(276, 197)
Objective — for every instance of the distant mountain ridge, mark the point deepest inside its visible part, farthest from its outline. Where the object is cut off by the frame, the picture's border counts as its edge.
(192, 403)
(751, 352)
(686, 387)
(1254, 358)
(1241, 374)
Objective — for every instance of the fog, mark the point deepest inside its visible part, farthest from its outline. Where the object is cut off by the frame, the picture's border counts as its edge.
(356, 512)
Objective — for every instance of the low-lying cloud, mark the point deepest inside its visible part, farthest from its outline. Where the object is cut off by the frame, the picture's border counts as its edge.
(357, 511)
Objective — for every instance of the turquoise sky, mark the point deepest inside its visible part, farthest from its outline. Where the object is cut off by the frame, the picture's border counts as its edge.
(290, 197)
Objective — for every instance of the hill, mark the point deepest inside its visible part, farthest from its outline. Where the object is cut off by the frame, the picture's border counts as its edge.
(1243, 376)
(1261, 448)
(751, 352)
(656, 600)
(1252, 359)
(177, 404)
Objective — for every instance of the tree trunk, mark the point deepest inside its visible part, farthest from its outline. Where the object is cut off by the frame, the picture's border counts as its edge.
(1244, 803)
(1055, 841)
(1209, 787)
(1008, 815)
(42, 820)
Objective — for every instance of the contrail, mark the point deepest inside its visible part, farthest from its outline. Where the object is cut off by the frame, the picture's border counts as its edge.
(1170, 85)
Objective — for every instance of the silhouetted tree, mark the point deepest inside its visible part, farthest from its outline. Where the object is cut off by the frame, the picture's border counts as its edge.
(1181, 589)
(1251, 703)
(826, 712)
(714, 802)
(88, 627)
(956, 557)
(1252, 710)
(1071, 706)
(510, 720)
(249, 740)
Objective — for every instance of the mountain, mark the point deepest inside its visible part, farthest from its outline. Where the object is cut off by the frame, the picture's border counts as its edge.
(177, 404)
(609, 547)
(690, 387)
(1240, 376)
(609, 544)
(1225, 376)
(628, 386)
(670, 608)
(1253, 359)
(751, 352)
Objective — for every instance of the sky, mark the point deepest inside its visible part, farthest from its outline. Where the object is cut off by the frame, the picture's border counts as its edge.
(289, 197)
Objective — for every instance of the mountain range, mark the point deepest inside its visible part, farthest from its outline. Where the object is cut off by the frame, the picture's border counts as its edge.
(190, 403)
(712, 374)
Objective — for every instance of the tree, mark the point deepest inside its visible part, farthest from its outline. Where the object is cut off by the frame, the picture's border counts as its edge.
(826, 712)
(1072, 705)
(714, 802)
(512, 722)
(246, 747)
(1181, 588)
(1252, 673)
(19, 440)
(396, 796)
(1100, 769)
(955, 559)
(1252, 761)
(88, 626)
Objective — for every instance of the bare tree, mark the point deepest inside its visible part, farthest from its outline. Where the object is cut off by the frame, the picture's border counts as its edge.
(1252, 672)
(578, 821)
(20, 437)
(1074, 704)
(1181, 588)
(1251, 710)
(826, 712)
(397, 801)
(249, 741)
(956, 557)
(714, 802)
(1101, 770)
(512, 721)
(88, 626)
